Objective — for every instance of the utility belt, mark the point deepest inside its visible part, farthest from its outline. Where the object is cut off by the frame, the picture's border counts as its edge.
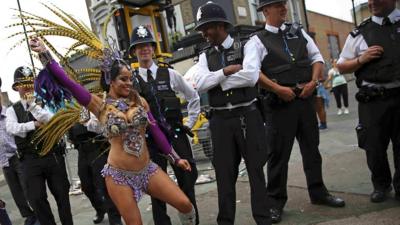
(368, 94)
(58, 149)
(234, 112)
(272, 100)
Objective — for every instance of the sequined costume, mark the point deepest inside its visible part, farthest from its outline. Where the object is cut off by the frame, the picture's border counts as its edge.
(138, 181)
(117, 124)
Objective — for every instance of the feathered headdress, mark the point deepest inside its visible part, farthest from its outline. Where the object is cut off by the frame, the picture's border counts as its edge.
(53, 95)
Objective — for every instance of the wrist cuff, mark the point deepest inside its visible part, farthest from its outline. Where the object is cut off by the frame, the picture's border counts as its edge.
(45, 58)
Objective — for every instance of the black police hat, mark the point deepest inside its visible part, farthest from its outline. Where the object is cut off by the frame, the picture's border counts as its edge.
(141, 35)
(267, 2)
(22, 76)
(211, 12)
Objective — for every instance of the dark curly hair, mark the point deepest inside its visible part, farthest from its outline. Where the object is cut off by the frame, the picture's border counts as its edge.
(116, 67)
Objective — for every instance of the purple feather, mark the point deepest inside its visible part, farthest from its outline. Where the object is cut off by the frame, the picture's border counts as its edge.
(50, 91)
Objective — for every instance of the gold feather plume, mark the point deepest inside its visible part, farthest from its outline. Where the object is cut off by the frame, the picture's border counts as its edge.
(86, 44)
(51, 133)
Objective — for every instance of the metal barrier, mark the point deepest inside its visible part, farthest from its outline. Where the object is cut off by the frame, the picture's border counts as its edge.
(202, 145)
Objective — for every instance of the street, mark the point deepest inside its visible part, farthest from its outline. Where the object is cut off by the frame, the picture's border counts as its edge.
(345, 173)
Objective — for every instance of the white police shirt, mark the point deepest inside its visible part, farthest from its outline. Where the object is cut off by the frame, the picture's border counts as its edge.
(180, 85)
(356, 46)
(258, 50)
(206, 79)
(21, 129)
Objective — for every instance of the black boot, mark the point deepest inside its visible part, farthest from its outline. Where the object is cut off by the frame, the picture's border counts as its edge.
(98, 218)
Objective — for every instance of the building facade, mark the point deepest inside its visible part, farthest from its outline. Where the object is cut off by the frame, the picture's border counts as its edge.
(330, 33)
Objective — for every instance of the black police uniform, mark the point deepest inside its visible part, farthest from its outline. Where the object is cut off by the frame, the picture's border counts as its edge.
(166, 108)
(92, 156)
(379, 107)
(287, 63)
(41, 169)
(237, 129)
(14, 176)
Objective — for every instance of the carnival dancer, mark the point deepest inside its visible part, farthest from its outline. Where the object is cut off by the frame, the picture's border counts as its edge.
(129, 172)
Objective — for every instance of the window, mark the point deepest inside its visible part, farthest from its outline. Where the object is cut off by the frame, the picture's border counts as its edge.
(333, 45)
(295, 13)
(256, 17)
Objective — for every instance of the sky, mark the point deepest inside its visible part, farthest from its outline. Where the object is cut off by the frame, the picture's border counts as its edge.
(10, 60)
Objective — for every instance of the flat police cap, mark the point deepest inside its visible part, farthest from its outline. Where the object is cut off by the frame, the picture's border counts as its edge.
(210, 12)
(267, 2)
(22, 76)
(141, 35)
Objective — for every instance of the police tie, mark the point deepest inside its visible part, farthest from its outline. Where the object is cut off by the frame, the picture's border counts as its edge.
(386, 22)
(221, 49)
(150, 78)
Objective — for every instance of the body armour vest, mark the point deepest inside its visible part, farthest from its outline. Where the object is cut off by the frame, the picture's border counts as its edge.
(387, 68)
(161, 98)
(287, 61)
(24, 145)
(217, 60)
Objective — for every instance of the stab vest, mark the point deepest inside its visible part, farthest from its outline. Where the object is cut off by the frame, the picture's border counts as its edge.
(287, 60)
(387, 68)
(234, 55)
(24, 145)
(163, 102)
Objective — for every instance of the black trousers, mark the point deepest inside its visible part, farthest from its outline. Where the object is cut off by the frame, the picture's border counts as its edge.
(236, 134)
(91, 161)
(15, 179)
(340, 92)
(48, 169)
(296, 119)
(186, 180)
(380, 124)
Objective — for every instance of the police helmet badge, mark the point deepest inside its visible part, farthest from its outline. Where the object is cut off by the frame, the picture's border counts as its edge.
(199, 14)
(26, 71)
(142, 32)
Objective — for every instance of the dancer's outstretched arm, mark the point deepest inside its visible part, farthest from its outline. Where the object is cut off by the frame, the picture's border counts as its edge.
(92, 102)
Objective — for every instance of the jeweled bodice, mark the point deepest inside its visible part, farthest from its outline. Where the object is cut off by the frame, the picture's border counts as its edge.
(125, 120)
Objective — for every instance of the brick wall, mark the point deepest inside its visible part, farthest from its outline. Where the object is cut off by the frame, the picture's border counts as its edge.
(323, 26)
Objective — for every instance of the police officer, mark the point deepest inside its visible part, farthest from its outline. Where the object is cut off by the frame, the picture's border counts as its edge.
(12, 169)
(159, 87)
(372, 52)
(290, 63)
(236, 124)
(92, 156)
(23, 118)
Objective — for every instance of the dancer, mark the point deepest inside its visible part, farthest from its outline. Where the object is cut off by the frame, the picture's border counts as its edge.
(129, 172)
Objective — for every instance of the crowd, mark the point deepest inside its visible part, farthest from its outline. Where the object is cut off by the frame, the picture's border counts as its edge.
(262, 97)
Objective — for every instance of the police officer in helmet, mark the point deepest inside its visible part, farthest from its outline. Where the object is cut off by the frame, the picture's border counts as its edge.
(22, 119)
(372, 52)
(290, 63)
(159, 86)
(236, 124)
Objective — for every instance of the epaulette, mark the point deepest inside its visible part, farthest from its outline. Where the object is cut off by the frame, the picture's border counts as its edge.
(356, 31)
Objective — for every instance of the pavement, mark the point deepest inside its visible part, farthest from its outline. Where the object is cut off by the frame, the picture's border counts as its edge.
(345, 175)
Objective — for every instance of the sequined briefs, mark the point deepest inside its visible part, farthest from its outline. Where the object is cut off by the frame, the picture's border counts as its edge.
(138, 181)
